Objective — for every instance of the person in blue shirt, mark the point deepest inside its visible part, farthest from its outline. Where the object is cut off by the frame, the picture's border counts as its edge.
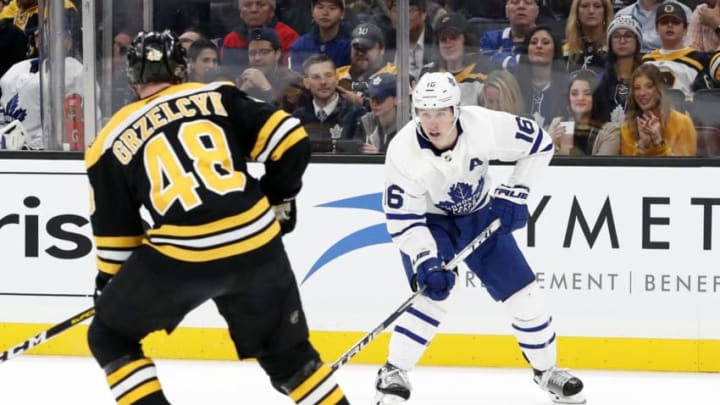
(330, 35)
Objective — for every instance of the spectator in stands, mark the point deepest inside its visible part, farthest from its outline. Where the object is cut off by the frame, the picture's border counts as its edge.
(366, 59)
(681, 65)
(24, 14)
(294, 13)
(189, 36)
(591, 134)
(330, 35)
(202, 57)
(652, 127)
(255, 14)
(13, 45)
(645, 11)
(504, 46)
(265, 78)
(423, 47)
(542, 77)
(704, 28)
(501, 92)
(586, 44)
(377, 127)
(327, 117)
(121, 43)
(459, 55)
(611, 96)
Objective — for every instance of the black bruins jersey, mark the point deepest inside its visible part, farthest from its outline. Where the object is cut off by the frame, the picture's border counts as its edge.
(182, 154)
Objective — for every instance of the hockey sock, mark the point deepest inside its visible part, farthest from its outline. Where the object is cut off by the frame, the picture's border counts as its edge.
(135, 382)
(533, 327)
(415, 329)
(314, 385)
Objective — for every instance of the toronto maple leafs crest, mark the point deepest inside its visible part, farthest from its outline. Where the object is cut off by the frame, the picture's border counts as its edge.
(12, 110)
(464, 199)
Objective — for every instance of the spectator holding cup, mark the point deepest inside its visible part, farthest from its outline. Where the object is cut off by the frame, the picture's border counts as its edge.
(584, 132)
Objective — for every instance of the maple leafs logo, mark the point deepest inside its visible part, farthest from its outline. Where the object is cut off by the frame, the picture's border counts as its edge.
(13, 111)
(463, 198)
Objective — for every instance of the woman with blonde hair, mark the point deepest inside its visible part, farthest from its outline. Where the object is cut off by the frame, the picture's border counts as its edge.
(652, 127)
(586, 44)
(501, 92)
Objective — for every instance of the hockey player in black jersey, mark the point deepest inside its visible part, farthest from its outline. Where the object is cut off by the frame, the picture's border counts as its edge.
(181, 153)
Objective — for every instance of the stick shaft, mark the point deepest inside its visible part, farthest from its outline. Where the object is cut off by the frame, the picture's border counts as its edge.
(459, 257)
(46, 335)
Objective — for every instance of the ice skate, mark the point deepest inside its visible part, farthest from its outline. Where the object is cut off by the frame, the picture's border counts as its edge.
(393, 386)
(563, 387)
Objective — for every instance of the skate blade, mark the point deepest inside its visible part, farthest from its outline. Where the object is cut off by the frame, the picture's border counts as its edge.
(385, 399)
(578, 398)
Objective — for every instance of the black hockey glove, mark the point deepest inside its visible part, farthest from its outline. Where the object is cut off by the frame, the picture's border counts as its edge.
(286, 214)
(101, 280)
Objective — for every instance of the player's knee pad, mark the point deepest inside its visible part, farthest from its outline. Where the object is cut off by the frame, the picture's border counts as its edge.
(532, 326)
(312, 384)
(414, 330)
(107, 345)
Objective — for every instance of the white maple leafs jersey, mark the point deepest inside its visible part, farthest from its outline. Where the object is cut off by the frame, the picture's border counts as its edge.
(421, 180)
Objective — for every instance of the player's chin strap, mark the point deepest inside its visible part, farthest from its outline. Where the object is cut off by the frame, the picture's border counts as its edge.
(451, 265)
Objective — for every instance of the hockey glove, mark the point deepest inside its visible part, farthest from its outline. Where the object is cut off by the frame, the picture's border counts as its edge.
(437, 282)
(286, 214)
(509, 204)
(101, 280)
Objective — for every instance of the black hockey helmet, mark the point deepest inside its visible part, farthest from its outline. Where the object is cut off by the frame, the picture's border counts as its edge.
(156, 57)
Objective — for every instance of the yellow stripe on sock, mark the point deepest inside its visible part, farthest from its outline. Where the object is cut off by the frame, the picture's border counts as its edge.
(310, 383)
(126, 370)
(140, 392)
(335, 396)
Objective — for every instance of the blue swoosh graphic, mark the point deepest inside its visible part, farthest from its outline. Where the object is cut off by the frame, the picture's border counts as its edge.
(372, 235)
(371, 202)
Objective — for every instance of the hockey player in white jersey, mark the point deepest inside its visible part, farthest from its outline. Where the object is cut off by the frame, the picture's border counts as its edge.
(437, 199)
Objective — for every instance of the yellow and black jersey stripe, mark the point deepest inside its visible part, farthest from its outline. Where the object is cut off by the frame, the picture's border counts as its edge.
(182, 155)
(687, 56)
(133, 381)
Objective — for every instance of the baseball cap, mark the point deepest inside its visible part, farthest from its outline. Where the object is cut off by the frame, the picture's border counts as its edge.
(671, 9)
(382, 85)
(367, 35)
(339, 3)
(265, 34)
(451, 22)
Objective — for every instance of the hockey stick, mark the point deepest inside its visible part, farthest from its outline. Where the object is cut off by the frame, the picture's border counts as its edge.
(462, 255)
(46, 335)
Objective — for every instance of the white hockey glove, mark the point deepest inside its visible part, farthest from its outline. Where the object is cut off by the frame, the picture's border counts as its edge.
(286, 214)
(12, 136)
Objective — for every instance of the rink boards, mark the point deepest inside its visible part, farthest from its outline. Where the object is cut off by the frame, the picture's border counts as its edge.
(627, 256)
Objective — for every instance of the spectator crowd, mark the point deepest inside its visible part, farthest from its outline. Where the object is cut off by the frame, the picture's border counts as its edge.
(602, 77)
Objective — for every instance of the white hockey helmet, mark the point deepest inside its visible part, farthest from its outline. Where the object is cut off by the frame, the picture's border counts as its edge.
(436, 90)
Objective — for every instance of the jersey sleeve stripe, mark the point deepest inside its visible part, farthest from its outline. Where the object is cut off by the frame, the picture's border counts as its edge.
(407, 228)
(288, 142)
(107, 267)
(404, 216)
(113, 255)
(538, 141)
(285, 129)
(266, 132)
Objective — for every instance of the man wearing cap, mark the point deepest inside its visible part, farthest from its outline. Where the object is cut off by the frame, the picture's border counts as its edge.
(645, 12)
(327, 118)
(459, 55)
(330, 35)
(377, 127)
(681, 65)
(366, 59)
(255, 14)
(265, 78)
(503, 46)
